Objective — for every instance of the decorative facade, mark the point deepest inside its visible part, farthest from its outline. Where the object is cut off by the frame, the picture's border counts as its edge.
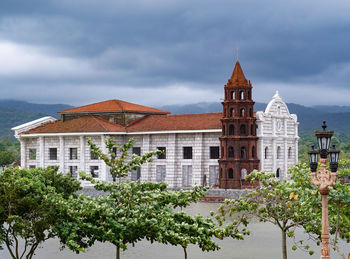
(196, 145)
(277, 131)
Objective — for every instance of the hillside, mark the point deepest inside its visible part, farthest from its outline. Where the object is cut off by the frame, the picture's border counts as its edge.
(13, 113)
(310, 118)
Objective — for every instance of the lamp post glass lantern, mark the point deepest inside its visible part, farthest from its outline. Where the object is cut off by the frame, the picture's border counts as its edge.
(333, 159)
(313, 156)
(324, 179)
(324, 140)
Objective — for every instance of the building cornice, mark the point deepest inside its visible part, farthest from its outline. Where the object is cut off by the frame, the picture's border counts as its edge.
(119, 133)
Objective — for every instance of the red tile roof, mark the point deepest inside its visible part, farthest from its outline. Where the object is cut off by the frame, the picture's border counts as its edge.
(200, 121)
(82, 124)
(114, 106)
(238, 78)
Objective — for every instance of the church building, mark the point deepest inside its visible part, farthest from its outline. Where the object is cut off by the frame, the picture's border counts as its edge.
(212, 149)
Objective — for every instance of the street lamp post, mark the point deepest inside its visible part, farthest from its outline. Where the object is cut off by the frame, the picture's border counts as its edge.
(324, 179)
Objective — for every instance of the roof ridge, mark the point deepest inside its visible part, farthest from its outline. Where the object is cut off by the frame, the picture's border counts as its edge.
(192, 114)
(84, 105)
(118, 103)
(140, 119)
(105, 121)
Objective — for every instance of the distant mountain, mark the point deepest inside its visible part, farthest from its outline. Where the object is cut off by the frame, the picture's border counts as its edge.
(310, 118)
(332, 108)
(14, 113)
(47, 109)
(204, 107)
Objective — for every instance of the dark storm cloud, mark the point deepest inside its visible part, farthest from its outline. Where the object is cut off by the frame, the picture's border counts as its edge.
(157, 45)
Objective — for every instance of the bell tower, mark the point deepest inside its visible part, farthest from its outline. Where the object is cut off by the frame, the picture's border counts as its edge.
(238, 141)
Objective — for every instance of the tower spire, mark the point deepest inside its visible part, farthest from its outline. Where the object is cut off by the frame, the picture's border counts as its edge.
(238, 78)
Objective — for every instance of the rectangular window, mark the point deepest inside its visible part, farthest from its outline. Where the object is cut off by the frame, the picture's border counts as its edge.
(114, 151)
(93, 156)
(187, 152)
(160, 173)
(214, 152)
(136, 174)
(32, 166)
(73, 170)
(162, 156)
(73, 153)
(213, 175)
(136, 151)
(94, 171)
(186, 175)
(53, 153)
(32, 154)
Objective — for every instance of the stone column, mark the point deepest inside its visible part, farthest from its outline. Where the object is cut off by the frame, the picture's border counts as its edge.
(23, 152)
(62, 153)
(262, 154)
(171, 170)
(274, 148)
(197, 173)
(146, 174)
(296, 151)
(296, 142)
(285, 162)
(82, 154)
(103, 176)
(274, 155)
(285, 127)
(41, 152)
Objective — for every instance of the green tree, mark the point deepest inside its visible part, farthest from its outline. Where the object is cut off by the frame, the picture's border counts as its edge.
(132, 211)
(13, 146)
(274, 201)
(338, 204)
(293, 204)
(25, 209)
(6, 158)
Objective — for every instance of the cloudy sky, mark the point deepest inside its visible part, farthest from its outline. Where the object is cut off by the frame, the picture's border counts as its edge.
(157, 52)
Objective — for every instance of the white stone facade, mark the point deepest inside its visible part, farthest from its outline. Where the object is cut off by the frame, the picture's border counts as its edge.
(277, 130)
(174, 163)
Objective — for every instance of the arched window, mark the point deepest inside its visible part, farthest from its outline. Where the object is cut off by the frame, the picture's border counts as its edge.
(222, 152)
(252, 130)
(243, 130)
(230, 173)
(242, 113)
(233, 95)
(232, 112)
(243, 173)
(289, 153)
(231, 130)
(266, 152)
(249, 95)
(278, 173)
(241, 95)
(250, 112)
(243, 153)
(230, 152)
(279, 152)
(279, 109)
(223, 130)
(253, 152)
